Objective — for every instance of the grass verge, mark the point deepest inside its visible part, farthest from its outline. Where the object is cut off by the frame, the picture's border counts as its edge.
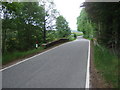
(9, 57)
(106, 63)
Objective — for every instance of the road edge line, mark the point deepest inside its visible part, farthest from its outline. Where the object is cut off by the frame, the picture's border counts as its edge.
(24, 60)
(88, 69)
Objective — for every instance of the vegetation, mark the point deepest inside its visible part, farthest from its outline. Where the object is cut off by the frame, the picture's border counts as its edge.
(85, 25)
(71, 37)
(25, 23)
(106, 23)
(62, 27)
(9, 57)
(17, 18)
(99, 21)
(78, 33)
(107, 64)
(50, 15)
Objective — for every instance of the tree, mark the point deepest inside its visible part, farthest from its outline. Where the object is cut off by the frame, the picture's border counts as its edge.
(22, 25)
(32, 21)
(62, 27)
(50, 14)
(106, 17)
(85, 25)
(8, 26)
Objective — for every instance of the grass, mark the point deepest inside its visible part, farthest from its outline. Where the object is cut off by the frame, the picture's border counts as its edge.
(106, 63)
(71, 37)
(9, 57)
(78, 33)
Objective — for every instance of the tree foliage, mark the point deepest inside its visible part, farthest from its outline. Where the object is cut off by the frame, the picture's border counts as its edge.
(24, 23)
(105, 15)
(50, 16)
(84, 24)
(62, 27)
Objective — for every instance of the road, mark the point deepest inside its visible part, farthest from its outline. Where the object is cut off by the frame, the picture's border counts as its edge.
(62, 67)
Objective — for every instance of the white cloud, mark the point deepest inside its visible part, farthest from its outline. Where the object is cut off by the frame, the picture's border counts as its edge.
(70, 9)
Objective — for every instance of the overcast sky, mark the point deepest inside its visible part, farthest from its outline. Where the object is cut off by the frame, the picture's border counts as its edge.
(70, 9)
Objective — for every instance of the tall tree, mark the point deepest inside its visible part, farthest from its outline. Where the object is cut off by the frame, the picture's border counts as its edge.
(8, 17)
(62, 27)
(85, 25)
(106, 17)
(50, 16)
(22, 25)
(32, 20)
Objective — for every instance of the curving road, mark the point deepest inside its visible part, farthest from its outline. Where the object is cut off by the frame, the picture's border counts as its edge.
(62, 67)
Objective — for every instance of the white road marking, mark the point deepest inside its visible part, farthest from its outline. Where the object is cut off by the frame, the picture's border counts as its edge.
(88, 63)
(88, 69)
(32, 57)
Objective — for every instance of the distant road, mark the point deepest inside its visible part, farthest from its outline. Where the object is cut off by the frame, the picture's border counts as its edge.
(62, 67)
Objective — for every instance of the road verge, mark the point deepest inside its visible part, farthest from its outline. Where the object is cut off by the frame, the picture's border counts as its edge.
(27, 57)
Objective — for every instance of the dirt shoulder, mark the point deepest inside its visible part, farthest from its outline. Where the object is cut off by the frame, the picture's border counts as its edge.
(96, 79)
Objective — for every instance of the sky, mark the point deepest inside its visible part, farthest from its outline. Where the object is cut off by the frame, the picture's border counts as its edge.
(70, 9)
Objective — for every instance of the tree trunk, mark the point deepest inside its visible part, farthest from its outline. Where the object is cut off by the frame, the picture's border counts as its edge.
(44, 32)
(4, 41)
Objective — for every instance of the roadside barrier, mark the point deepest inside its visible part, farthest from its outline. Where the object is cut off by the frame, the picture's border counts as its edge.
(46, 45)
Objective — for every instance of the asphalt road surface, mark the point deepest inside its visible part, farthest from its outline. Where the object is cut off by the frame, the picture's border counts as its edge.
(62, 67)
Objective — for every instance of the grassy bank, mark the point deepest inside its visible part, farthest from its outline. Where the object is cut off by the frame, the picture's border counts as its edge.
(106, 63)
(9, 57)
